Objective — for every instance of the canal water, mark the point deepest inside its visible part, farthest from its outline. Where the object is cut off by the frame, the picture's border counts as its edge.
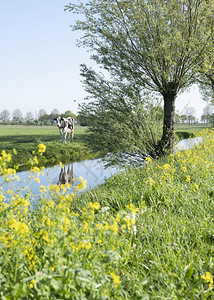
(188, 143)
(94, 171)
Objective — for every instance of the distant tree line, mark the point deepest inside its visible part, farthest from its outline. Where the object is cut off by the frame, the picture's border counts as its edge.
(40, 118)
(188, 116)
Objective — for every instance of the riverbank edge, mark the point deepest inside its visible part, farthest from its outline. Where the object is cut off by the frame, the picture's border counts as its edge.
(173, 226)
(66, 153)
(55, 153)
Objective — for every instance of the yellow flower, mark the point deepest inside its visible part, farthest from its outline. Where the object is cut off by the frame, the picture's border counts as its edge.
(116, 279)
(82, 185)
(87, 245)
(66, 221)
(209, 279)
(132, 208)
(54, 187)
(32, 283)
(42, 148)
(151, 181)
(188, 179)
(85, 226)
(166, 166)
(94, 205)
(148, 159)
(35, 169)
(35, 159)
(184, 169)
(195, 187)
(9, 171)
(20, 227)
(42, 189)
(5, 156)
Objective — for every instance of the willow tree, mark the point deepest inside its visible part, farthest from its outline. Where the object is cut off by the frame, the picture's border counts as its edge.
(206, 78)
(158, 44)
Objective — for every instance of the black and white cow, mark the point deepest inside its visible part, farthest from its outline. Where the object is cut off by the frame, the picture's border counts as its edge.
(66, 127)
(66, 175)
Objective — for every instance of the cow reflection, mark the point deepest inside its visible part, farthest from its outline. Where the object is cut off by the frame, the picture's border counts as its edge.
(66, 175)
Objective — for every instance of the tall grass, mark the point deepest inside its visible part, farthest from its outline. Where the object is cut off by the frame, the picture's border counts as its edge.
(147, 233)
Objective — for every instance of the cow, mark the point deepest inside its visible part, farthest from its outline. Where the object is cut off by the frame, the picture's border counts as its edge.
(66, 175)
(66, 127)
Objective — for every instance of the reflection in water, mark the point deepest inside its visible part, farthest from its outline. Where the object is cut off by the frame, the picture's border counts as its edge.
(66, 175)
(93, 171)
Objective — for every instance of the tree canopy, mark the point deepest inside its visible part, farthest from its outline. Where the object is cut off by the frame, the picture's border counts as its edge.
(157, 45)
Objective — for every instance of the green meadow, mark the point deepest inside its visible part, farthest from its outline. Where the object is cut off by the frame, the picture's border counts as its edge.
(184, 131)
(26, 138)
(147, 233)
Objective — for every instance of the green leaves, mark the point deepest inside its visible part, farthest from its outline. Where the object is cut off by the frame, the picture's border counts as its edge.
(155, 45)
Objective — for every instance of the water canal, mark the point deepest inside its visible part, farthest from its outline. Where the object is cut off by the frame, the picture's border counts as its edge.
(94, 171)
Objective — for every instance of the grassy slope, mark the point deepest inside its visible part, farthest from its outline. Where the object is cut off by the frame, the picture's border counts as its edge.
(174, 244)
(165, 256)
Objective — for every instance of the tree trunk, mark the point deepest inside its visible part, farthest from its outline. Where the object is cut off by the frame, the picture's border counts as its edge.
(168, 137)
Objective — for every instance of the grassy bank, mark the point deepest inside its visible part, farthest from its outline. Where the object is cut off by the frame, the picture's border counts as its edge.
(185, 131)
(145, 234)
(26, 138)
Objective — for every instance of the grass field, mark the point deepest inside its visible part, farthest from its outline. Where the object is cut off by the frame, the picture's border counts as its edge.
(25, 139)
(12, 136)
(147, 233)
(185, 131)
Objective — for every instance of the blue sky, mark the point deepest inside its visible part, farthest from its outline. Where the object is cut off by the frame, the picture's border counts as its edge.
(39, 65)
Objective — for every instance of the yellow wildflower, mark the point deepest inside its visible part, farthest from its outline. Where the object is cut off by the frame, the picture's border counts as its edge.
(32, 283)
(166, 166)
(188, 179)
(209, 279)
(150, 181)
(85, 226)
(35, 169)
(6, 156)
(195, 187)
(35, 159)
(184, 169)
(82, 185)
(20, 227)
(132, 208)
(94, 205)
(42, 148)
(116, 279)
(148, 159)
